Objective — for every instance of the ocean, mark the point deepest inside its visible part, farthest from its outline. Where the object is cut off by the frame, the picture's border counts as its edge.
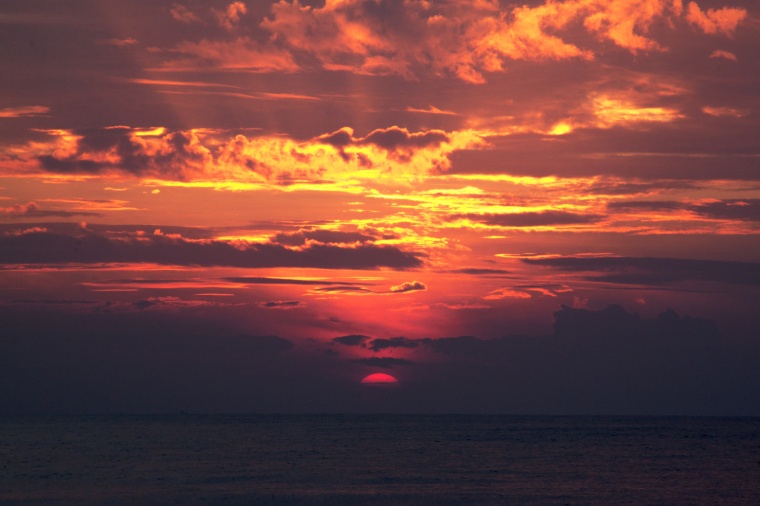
(377, 460)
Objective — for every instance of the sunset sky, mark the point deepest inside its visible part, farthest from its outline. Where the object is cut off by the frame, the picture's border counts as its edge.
(538, 206)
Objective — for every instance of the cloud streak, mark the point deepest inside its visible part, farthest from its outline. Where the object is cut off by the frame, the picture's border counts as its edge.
(49, 248)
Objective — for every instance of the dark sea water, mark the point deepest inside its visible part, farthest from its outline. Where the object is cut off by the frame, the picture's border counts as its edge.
(378, 460)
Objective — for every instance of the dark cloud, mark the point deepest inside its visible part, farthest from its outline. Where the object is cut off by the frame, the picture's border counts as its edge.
(32, 210)
(480, 272)
(339, 138)
(746, 209)
(635, 188)
(281, 304)
(112, 230)
(391, 139)
(735, 209)
(351, 340)
(173, 154)
(605, 361)
(322, 236)
(615, 323)
(409, 286)
(459, 346)
(343, 288)
(88, 247)
(384, 362)
(393, 342)
(648, 270)
(537, 219)
(646, 205)
(394, 138)
(71, 165)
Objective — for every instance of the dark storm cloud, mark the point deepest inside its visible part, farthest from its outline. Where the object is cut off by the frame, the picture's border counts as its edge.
(640, 270)
(323, 236)
(89, 247)
(537, 219)
(384, 362)
(393, 342)
(351, 340)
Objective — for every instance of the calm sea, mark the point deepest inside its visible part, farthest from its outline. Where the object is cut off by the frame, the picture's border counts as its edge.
(378, 460)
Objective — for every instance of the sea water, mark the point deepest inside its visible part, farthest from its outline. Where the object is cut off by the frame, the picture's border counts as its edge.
(377, 460)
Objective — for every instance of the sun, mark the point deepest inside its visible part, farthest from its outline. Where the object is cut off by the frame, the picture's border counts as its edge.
(379, 378)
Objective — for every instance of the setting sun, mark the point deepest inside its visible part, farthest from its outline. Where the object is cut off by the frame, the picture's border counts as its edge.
(379, 379)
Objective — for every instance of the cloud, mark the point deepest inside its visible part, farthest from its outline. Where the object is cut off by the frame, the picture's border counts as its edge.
(252, 280)
(395, 138)
(240, 54)
(432, 110)
(469, 39)
(735, 209)
(714, 21)
(183, 14)
(177, 155)
(230, 17)
(724, 111)
(351, 340)
(384, 362)
(32, 210)
(19, 112)
(281, 304)
(120, 42)
(646, 205)
(344, 288)
(529, 219)
(409, 286)
(719, 53)
(49, 247)
(506, 293)
(649, 270)
(321, 236)
(481, 272)
(393, 342)
(208, 155)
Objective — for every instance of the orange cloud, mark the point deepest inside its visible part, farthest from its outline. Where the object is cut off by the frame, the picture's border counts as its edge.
(230, 17)
(723, 54)
(239, 54)
(469, 39)
(183, 14)
(207, 155)
(29, 110)
(714, 21)
(724, 111)
(432, 110)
